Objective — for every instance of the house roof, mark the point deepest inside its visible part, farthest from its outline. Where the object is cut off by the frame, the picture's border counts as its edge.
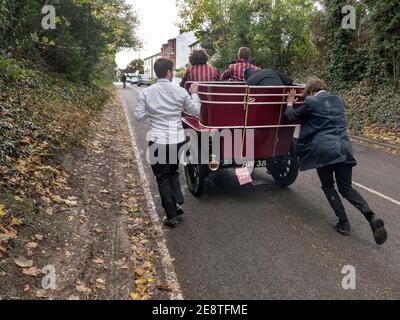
(194, 43)
(154, 55)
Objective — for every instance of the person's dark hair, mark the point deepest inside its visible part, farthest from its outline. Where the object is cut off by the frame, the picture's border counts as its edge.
(314, 85)
(244, 53)
(198, 57)
(161, 67)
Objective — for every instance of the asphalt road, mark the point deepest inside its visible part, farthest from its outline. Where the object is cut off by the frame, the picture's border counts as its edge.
(262, 242)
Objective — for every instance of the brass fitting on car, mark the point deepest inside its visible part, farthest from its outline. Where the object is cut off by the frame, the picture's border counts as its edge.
(214, 164)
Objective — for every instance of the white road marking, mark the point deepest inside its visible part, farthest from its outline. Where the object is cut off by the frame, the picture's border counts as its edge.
(376, 193)
(170, 275)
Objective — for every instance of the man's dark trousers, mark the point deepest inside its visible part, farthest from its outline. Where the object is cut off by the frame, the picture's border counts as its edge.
(343, 173)
(166, 172)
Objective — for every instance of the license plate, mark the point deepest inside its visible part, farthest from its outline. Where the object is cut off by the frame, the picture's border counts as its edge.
(244, 176)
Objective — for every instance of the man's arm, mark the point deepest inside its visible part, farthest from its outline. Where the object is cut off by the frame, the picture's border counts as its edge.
(141, 112)
(297, 114)
(301, 112)
(192, 104)
(226, 75)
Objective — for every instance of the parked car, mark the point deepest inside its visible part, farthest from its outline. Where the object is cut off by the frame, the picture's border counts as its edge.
(143, 80)
(177, 81)
(134, 80)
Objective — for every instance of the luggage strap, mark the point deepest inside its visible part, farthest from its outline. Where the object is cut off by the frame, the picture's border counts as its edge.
(246, 102)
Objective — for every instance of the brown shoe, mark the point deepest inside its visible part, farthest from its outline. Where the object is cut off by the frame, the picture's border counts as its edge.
(379, 231)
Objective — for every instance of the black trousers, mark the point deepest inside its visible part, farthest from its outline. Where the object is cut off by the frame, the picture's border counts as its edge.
(343, 174)
(167, 175)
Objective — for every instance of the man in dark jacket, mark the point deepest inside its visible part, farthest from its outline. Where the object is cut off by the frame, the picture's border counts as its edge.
(124, 79)
(324, 145)
(266, 77)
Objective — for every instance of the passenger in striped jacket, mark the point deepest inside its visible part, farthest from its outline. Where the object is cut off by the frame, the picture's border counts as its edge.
(235, 72)
(200, 69)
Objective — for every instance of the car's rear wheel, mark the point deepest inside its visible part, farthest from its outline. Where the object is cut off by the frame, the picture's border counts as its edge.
(195, 177)
(285, 170)
(195, 172)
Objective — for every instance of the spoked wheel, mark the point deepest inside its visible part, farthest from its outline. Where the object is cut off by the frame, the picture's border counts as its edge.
(195, 177)
(285, 170)
(195, 173)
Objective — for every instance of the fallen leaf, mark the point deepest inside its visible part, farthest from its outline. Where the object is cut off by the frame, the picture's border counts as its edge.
(135, 296)
(73, 298)
(32, 245)
(2, 212)
(100, 284)
(57, 199)
(15, 221)
(105, 205)
(71, 203)
(7, 235)
(23, 262)
(98, 261)
(27, 288)
(81, 287)
(99, 280)
(33, 272)
(139, 271)
(46, 199)
(41, 293)
(39, 237)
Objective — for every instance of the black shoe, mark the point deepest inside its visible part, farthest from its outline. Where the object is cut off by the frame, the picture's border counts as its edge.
(171, 223)
(379, 231)
(343, 228)
(179, 210)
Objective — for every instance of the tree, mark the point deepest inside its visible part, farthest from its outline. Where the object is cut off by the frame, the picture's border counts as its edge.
(279, 35)
(87, 34)
(135, 66)
(346, 49)
(384, 49)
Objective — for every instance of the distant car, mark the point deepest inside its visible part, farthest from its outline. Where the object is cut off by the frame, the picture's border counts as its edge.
(134, 80)
(143, 80)
(176, 81)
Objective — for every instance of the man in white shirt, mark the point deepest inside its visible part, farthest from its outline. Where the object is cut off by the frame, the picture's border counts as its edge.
(163, 103)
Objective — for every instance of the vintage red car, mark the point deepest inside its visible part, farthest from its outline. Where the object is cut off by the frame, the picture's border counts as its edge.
(260, 136)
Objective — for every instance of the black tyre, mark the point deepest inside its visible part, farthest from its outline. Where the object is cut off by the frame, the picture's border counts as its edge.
(195, 172)
(285, 170)
(195, 177)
